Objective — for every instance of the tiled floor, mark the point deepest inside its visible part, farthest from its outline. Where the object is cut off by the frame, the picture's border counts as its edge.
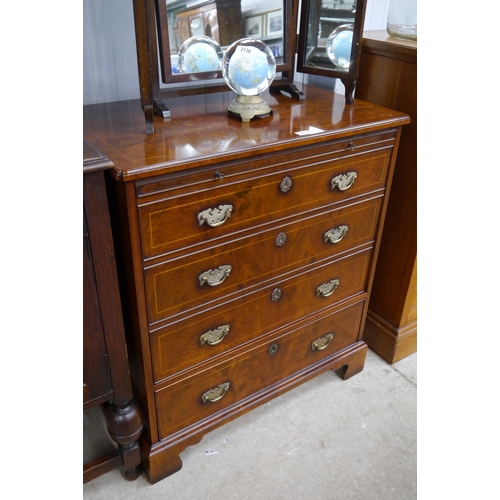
(327, 439)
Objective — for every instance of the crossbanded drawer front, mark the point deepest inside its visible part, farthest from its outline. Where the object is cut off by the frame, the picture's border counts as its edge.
(178, 346)
(166, 299)
(224, 208)
(179, 285)
(217, 388)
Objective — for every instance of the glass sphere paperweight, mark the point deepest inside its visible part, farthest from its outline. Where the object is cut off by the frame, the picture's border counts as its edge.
(249, 68)
(200, 54)
(338, 46)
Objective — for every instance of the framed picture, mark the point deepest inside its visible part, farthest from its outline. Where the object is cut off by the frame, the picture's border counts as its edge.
(274, 23)
(254, 26)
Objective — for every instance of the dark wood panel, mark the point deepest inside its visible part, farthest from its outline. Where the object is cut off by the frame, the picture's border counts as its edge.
(107, 291)
(96, 380)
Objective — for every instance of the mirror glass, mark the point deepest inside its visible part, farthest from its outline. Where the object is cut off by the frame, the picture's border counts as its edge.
(326, 18)
(225, 21)
(330, 39)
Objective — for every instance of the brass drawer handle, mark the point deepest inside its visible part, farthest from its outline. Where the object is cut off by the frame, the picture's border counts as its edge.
(215, 217)
(214, 277)
(322, 342)
(326, 289)
(344, 181)
(216, 393)
(335, 235)
(214, 337)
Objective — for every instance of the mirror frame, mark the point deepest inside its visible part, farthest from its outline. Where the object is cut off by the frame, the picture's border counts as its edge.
(348, 78)
(153, 56)
(152, 45)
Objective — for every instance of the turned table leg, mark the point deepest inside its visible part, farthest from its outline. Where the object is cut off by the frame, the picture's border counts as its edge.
(124, 425)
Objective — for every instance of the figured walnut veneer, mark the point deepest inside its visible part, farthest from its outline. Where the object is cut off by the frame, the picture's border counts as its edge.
(269, 258)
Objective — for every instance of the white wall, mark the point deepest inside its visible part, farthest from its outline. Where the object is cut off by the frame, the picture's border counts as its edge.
(109, 53)
(376, 14)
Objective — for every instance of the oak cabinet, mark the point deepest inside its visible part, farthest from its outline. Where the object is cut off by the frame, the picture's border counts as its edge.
(388, 77)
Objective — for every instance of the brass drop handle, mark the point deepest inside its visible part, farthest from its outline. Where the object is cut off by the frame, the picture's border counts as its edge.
(215, 217)
(322, 342)
(216, 393)
(344, 181)
(326, 289)
(216, 336)
(335, 235)
(214, 277)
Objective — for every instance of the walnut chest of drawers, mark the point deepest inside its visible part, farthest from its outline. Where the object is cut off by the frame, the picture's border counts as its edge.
(247, 251)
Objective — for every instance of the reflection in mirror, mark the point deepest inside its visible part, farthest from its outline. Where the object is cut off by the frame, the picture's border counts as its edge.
(325, 17)
(329, 39)
(163, 25)
(225, 21)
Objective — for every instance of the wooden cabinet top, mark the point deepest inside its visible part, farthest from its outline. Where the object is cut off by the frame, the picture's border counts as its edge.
(382, 41)
(94, 160)
(202, 133)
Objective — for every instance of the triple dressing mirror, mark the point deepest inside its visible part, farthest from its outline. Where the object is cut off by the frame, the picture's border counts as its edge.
(162, 26)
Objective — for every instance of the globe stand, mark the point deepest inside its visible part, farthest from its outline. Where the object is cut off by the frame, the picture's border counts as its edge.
(249, 106)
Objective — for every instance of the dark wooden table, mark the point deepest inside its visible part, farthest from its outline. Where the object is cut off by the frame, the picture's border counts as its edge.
(105, 361)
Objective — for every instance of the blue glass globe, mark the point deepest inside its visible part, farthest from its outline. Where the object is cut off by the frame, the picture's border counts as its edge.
(248, 67)
(200, 54)
(338, 46)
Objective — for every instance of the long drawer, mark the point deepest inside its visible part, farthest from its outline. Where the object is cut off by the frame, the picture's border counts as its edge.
(209, 333)
(296, 289)
(180, 284)
(216, 388)
(207, 212)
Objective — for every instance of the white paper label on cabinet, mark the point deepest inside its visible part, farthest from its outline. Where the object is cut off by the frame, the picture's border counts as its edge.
(309, 131)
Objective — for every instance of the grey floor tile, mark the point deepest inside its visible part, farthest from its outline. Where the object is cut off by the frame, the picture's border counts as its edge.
(327, 439)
